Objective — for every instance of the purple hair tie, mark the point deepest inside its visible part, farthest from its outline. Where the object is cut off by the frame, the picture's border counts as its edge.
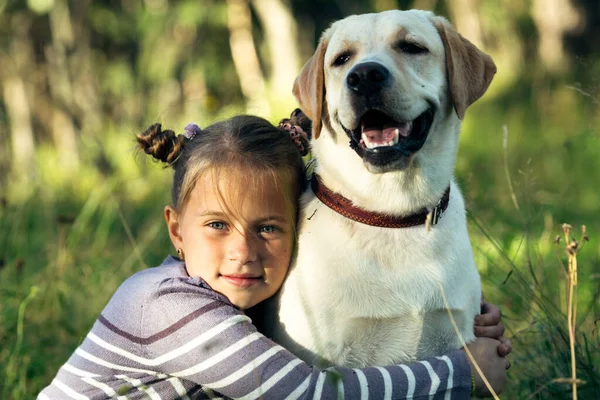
(191, 130)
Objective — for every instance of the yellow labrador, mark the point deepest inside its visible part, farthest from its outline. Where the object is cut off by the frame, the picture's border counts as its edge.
(395, 86)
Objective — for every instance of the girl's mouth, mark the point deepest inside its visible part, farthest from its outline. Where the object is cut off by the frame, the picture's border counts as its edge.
(242, 280)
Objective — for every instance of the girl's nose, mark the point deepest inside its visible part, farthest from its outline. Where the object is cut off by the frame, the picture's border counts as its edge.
(243, 248)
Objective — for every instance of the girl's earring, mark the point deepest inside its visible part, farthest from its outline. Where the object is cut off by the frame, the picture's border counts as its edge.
(180, 254)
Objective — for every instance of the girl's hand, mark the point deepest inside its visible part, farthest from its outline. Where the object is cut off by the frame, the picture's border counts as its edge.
(489, 324)
(492, 365)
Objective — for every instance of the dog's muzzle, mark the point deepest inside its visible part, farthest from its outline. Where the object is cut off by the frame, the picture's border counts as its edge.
(384, 143)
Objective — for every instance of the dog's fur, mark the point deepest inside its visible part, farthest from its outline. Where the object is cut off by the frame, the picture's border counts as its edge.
(360, 295)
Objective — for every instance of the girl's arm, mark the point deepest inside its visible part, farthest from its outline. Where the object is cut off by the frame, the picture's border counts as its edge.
(202, 338)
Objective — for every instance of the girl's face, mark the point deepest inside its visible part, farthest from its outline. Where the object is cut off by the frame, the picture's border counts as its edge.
(241, 245)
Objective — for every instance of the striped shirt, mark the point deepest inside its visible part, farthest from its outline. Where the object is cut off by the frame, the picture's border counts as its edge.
(165, 335)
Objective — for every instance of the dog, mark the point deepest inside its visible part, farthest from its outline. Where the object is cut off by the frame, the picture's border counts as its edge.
(386, 93)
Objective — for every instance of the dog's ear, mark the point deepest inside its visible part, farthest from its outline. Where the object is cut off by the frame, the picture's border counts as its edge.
(309, 87)
(470, 71)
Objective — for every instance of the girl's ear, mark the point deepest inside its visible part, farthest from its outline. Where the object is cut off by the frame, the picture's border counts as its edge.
(172, 219)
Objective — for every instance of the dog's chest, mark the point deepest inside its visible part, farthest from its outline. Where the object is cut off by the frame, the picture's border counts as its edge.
(390, 267)
(363, 296)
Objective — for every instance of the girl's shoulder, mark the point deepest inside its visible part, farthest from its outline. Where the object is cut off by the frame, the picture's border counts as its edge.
(155, 299)
(167, 282)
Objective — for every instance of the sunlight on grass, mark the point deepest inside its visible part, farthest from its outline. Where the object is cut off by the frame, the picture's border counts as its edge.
(528, 160)
(93, 227)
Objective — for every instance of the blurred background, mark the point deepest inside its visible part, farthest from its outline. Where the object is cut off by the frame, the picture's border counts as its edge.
(80, 211)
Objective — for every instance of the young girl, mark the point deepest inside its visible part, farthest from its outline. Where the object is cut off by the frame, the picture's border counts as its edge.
(179, 330)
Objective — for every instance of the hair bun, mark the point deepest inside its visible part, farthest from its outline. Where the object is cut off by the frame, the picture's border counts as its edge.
(164, 146)
(299, 118)
(298, 127)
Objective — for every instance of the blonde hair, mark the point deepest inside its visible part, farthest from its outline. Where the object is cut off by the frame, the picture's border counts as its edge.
(251, 145)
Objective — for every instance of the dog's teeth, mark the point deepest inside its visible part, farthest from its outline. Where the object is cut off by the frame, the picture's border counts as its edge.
(396, 137)
(366, 141)
(371, 144)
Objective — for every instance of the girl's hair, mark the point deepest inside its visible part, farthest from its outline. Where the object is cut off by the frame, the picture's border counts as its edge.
(253, 146)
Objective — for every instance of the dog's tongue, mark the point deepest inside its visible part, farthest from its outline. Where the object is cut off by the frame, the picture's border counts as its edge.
(376, 135)
(383, 132)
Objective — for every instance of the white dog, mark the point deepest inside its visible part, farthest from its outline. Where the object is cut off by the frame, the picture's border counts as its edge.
(364, 291)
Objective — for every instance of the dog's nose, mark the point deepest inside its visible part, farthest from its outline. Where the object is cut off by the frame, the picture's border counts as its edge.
(367, 77)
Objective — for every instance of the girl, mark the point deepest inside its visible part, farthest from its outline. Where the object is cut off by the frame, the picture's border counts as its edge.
(179, 330)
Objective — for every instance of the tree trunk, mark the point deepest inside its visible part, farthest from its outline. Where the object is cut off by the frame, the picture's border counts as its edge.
(245, 58)
(281, 35)
(19, 115)
(18, 63)
(86, 98)
(194, 93)
(61, 88)
(465, 16)
(553, 18)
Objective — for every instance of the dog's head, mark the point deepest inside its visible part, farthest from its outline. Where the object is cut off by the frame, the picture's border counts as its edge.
(389, 83)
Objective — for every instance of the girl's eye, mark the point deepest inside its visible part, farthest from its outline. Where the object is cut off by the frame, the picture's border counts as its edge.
(219, 225)
(267, 229)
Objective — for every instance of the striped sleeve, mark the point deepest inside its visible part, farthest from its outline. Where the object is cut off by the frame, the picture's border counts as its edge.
(182, 340)
(209, 342)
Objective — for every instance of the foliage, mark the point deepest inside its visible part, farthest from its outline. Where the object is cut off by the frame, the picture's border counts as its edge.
(72, 231)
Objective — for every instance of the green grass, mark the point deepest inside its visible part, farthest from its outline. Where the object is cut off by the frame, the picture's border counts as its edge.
(69, 238)
(528, 284)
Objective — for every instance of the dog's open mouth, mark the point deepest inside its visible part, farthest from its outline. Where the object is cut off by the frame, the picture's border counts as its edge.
(381, 140)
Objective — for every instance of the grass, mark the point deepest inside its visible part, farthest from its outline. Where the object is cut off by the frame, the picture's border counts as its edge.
(62, 261)
(69, 238)
(547, 359)
(572, 247)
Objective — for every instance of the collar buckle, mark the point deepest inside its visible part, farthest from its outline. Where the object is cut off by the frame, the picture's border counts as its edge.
(436, 213)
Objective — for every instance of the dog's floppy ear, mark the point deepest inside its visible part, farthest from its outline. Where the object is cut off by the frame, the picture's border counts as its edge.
(309, 87)
(470, 71)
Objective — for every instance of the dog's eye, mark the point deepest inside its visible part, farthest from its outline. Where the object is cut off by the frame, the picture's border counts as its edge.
(341, 59)
(411, 48)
